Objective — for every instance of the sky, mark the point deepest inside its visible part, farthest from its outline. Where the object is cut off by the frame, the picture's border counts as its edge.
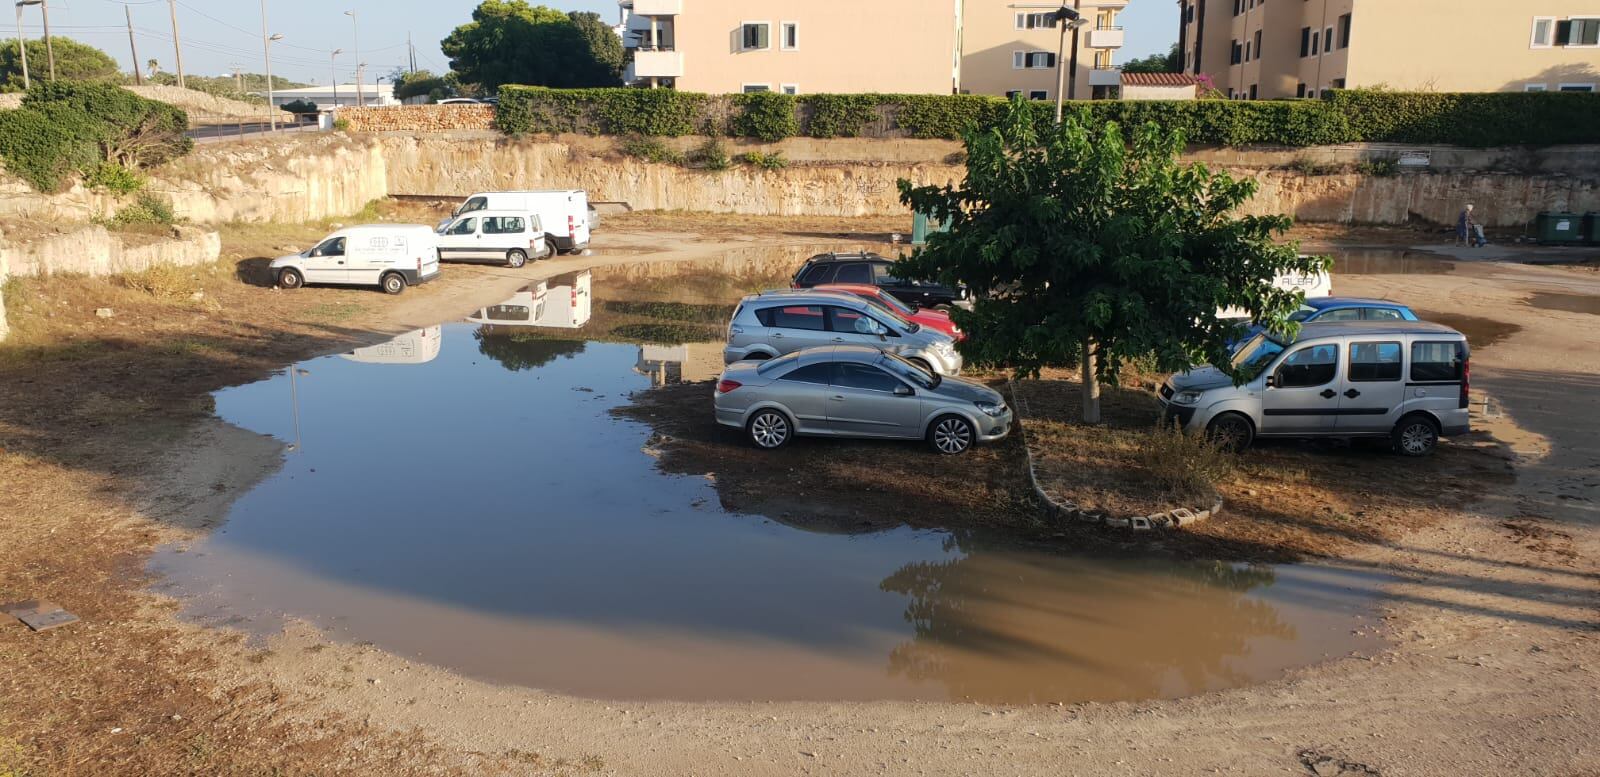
(219, 35)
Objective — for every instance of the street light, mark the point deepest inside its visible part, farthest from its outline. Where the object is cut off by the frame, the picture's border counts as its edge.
(266, 45)
(333, 72)
(361, 88)
(49, 49)
(355, 51)
(1067, 19)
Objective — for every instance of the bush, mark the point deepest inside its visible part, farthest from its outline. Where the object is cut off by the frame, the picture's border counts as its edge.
(772, 161)
(146, 210)
(299, 107)
(341, 125)
(128, 129)
(711, 155)
(41, 151)
(1190, 464)
(659, 112)
(650, 150)
(114, 178)
(165, 282)
(840, 115)
(767, 116)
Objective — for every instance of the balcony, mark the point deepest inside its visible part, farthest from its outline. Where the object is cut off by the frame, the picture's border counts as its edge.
(1106, 38)
(657, 64)
(658, 7)
(1105, 76)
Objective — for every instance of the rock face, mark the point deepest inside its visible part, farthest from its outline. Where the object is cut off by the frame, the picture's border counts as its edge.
(5, 274)
(91, 250)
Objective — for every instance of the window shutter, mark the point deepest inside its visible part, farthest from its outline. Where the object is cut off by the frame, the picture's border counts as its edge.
(1016, 60)
(762, 33)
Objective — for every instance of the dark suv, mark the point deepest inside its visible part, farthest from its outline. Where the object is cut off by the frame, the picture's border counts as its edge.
(873, 269)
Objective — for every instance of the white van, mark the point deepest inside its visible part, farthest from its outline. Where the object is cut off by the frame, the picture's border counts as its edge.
(392, 256)
(564, 212)
(1314, 285)
(509, 236)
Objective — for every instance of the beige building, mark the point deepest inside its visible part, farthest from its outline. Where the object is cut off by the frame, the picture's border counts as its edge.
(815, 46)
(1253, 49)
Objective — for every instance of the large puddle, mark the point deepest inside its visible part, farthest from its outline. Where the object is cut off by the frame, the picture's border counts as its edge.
(464, 496)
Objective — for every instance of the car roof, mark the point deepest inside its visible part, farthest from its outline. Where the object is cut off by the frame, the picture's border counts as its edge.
(791, 296)
(1317, 329)
(853, 288)
(381, 228)
(496, 212)
(860, 256)
(1323, 303)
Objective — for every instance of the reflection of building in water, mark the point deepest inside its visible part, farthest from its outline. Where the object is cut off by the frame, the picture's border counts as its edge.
(687, 363)
(563, 302)
(419, 347)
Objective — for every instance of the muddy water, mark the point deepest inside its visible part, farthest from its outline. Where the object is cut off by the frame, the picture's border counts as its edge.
(1387, 261)
(463, 496)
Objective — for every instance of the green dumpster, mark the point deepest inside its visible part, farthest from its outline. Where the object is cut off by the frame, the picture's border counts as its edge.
(923, 225)
(1591, 228)
(1558, 228)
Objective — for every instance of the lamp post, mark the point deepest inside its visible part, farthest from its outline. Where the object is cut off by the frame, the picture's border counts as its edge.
(355, 51)
(1067, 19)
(49, 48)
(22, 45)
(333, 73)
(361, 86)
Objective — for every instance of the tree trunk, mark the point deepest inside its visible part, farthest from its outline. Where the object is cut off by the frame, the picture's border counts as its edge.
(1091, 386)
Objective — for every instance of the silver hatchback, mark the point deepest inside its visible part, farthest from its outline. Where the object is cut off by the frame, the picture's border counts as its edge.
(774, 323)
(857, 391)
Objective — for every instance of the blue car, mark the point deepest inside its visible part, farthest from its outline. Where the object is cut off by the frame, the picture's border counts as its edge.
(1340, 309)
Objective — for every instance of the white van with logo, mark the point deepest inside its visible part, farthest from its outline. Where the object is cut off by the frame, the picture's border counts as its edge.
(508, 236)
(564, 213)
(1313, 285)
(391, 256)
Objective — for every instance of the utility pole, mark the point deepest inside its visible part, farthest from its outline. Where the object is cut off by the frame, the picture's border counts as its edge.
(177, 47)
(266, 53)
(238, 79)
(49, 50)
(333, 73)
(132, 47)
(411, 51)
(1066, 18)
(355, 51)
(22, 44)
(1072, 80)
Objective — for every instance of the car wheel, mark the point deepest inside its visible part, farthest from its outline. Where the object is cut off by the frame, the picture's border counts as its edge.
(1415, 435)
(516, 258)
(393, 283)
(951, 435)
(1231, 431)
(769, 429)
(550, 240)
(290, 278)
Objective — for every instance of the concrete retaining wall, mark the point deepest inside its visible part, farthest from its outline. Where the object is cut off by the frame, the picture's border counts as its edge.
(92, 250)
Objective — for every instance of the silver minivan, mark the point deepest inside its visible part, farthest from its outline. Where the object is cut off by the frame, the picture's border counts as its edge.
(773, 323)
(1404, 380)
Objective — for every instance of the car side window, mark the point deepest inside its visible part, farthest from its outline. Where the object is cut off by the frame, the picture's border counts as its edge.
(862, 376)
(806, 317)
(881, 276)
(1383, 314)
(334, 247)
(820, 374)
(1374, 362)
(853, 273)
(818, 274)
(463, 227)
(503, 225)
(475, 203)
(852, 322)
(1310, 366)
(1436, 362)
(1341, 314)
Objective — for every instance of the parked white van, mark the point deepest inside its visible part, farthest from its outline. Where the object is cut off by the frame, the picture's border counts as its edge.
(564, 212)
(392, 256)
(508, 236)
(1313, 285)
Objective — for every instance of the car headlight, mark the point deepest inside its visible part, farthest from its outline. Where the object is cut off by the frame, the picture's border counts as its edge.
(992, 408)
(1186, 397)
(945, 348)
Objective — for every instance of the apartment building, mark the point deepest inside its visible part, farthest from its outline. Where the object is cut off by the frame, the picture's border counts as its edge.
(1256, 49)
(995, 47)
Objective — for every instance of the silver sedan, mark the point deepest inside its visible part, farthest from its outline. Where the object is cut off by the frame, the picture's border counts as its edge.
(857, 391)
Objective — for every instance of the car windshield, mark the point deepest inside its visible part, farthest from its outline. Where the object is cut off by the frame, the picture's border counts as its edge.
(1305, 312)
(893, 302)
(1255, 355)
(911, 372)
(777, 364)
(905, 324)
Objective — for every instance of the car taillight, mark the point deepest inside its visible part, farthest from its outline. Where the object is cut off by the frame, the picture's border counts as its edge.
(1466, 381)
(724, 386)
(572, 226)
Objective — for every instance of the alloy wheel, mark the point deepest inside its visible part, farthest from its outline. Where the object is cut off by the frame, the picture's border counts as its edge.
(952, 435)
(769, 430)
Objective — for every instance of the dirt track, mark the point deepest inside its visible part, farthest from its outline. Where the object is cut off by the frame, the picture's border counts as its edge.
(1494, 668)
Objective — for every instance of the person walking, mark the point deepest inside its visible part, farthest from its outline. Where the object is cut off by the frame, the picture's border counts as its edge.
(1464, 225)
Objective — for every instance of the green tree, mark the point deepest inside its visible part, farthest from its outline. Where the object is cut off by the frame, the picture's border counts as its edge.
(129, 130)
(1170, 62)
(422, 83)
(512, 42)
(74, 61)
(1083, 247)
(601, 52)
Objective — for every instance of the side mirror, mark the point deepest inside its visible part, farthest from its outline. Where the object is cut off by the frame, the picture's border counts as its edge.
(1272, 381)
(903, 390)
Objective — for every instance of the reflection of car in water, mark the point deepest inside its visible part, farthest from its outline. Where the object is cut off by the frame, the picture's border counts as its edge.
(524, 309)
(419, 347)
(687, 363)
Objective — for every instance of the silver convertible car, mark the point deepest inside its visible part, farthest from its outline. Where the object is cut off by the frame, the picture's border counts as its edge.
(857, 391)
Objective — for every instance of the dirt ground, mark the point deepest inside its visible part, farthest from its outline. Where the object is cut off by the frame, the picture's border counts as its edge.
(107, 449)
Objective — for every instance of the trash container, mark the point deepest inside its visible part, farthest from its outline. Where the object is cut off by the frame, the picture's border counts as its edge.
(1591, 228)
(1558, 228)
(923, 225)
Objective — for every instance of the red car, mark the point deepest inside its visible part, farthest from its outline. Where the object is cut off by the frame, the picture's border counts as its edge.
(937, 320)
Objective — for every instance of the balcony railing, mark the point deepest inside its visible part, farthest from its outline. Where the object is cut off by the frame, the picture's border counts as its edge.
(1105, 75)
(1106, 38)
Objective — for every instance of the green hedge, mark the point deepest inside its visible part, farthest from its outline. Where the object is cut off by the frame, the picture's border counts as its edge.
(1476, 120)
(65, 128)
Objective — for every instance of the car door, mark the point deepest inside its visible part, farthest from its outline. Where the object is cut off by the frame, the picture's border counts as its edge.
(805, 391)
(792, 327)
(326, 262)
(869, 402)
(1373, 391)
(367, 256)
(460, 241)
(500, 234)
(1302, 393)
(815, 275)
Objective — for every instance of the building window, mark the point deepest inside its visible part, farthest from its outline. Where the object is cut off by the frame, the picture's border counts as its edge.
(1315, 38)
(1300, 91)
(1230, 93)
(1305, 42)
(1258, 44)
(1034, 60)
(1038, 94)
(1544, 30)
(1010, 94)
(1577, 87)
(791, 36)
(754, 36)
(1188, 14)
(1035, 21)
(1253, 91)
(1311, 95)
(1578, 32)
(1344, 31)
(1238, 54)
(1338, 83)
(754, 88)
(1534, 87)
(1102, 59)
(1327, 41)
(791, 88)
(1247, 51)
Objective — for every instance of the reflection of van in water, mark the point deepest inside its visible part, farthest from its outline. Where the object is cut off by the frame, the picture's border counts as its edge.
(419, 347)
(524, 309)
(567, 302)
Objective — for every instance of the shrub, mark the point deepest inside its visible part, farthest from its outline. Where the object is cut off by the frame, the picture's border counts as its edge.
(165, 282)
(767, 116)
(840, 115)
(128, 129)
(711, 155)
(147, 209)
(650, 150)
(1379, 168)
(659, 112)
(113, 178)
(772, 161)
(341, 125)
(41, 151)
(1189, 464)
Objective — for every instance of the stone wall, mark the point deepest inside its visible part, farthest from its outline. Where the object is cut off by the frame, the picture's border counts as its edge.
(91, 250)
(420, 118)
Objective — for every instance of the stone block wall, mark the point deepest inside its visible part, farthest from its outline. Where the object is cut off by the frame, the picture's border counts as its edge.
(419, 118)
